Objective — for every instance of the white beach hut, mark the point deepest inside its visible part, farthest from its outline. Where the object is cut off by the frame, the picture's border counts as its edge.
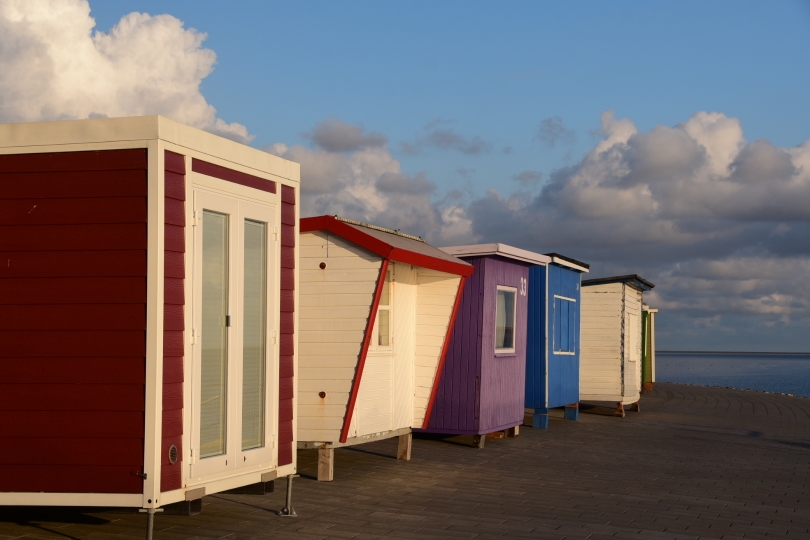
(611, 365)
(377, 312)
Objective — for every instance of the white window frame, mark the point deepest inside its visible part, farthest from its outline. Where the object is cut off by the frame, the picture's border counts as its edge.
(514, 291)
(554, 348)
(374, 347)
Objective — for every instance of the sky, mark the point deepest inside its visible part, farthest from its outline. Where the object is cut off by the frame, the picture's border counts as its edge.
(666, 139)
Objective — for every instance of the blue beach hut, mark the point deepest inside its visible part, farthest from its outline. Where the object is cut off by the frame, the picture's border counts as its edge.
(552, 347)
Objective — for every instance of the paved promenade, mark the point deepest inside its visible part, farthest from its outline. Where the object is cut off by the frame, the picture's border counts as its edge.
(696, 462)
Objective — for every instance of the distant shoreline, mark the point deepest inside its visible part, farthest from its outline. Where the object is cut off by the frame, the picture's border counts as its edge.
(737, 352)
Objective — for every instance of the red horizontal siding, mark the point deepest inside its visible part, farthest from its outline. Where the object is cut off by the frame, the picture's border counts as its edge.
(172, 343)
(285, 410)
(230, 175)
(173, 291)
(288, 195)
(72, 211)
(73, 263)
(174, 163)
(172, 423)
(286, 367)
(288, 281)
(93, 160)
(285, 453)
(71, 397)
(57, 185)
(173, 318)
(72, 237)
(285, 388)
(78, 343)
(35, 451)
(73, 317)
(288, 235)
(286, 345)
(287, 322)
(174, 265)
(175, 212)
(73, 290)
(62, 370)
(287, 214)
(175, 238)
(72, 478)
(287, 257)
(286, 413)
(172, 396)
(173, 369)
(77, 424)
(285, 431)
(171, 474)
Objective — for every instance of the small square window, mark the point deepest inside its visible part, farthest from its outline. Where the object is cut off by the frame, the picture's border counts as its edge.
(565, 325)
(505, 319)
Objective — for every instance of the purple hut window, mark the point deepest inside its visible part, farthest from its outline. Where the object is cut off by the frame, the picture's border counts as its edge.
(505, 319)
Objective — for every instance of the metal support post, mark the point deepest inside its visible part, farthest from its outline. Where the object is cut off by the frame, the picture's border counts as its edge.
(150, 520)
(288, 510)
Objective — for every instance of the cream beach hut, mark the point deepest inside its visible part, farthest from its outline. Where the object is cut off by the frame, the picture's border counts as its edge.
(148, 292)
(377, 310)
(611, 332)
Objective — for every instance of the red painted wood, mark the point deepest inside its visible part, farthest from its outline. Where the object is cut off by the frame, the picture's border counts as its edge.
(71, 397)
(366, 241)
(172, 369)
(286, 345)
(285, 432)
(175, 238)
(174, 264)
(173, 291)
(287, 322)
(79, 343)
(175, 187)
(287, 301)
(173, 319)
(56, 185)
(174, 162)
(72, 237)
(72, 211)
(287, 214)
(285, 388)
(287, 257)
(287, 194)
(71, 478)
(287, 280)
(73, 317)
(72, 263)
(94, 160)
(172, 396)
(72, 451)
(288, 235)
(230, 175)
(171, 474)
(445, 347)
(286, 367)
(175, 212)
(172, 343)
(73, 290)
(285, 410)
(75, 424)
(285, 453)
(361, 362)
(172, 423)
(73, 371)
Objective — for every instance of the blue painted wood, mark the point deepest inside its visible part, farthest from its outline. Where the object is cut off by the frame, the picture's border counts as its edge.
(561, 318)
(479, 391)
(540, 418)
(572, 413)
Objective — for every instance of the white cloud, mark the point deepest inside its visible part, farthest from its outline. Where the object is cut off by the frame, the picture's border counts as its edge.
(53, 65)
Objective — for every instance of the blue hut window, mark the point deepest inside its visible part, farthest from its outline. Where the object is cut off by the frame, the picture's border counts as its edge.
(505, 320)
(565, 325)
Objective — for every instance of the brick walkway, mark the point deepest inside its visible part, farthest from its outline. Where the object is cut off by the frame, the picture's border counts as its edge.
(697, 462)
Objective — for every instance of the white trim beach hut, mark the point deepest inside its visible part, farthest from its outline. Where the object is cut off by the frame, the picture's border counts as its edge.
(612, 339)
(377, 309)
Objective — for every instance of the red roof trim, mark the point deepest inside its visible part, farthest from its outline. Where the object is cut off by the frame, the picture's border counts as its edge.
(347, 420)
(384, 250)
(445, 347)
(230, 175)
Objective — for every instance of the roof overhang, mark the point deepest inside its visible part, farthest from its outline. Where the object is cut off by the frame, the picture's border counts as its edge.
(633, 280)
(389, 245)
(502, 250)
(574, 264)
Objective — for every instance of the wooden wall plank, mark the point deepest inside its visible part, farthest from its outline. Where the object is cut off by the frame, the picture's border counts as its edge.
(71, 397)
(112, 263)
(73, 290)
(72, 237)
(92, 160)
(73, 317)
(75, 370)
(72, 343)
(48, 185)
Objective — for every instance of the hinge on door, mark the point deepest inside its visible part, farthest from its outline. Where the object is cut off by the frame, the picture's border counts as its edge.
(193, 336)
(275, 233)
(193, 218)
(275, 337)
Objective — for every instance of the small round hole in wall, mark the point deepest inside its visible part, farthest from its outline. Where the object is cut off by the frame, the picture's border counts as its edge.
(321, 395)
(173, 455)
(322, 266)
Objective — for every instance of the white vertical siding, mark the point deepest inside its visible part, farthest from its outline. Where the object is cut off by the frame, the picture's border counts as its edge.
(405, 294)
(335, 304)
(601, 342)
(632, 344)
(436, 295)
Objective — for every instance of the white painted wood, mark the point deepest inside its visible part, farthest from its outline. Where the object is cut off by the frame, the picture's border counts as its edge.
(404, 344)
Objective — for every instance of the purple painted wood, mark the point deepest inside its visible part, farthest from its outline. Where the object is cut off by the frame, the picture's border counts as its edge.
(480, 392)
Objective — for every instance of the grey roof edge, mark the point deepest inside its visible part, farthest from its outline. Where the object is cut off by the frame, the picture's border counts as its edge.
(563, 260)
(634, 280)
(503, 250)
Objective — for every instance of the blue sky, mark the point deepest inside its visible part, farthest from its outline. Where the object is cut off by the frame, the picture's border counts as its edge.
(667, 139)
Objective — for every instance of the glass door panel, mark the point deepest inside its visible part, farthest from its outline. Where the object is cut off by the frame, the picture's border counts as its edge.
(214, 335)
(254, 335)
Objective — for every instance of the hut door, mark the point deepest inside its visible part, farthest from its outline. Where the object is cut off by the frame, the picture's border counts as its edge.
(233, 335)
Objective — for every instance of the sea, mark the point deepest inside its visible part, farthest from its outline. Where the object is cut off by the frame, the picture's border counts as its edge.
(782, 373)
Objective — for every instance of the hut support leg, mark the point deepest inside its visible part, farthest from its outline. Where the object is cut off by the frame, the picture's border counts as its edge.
(404, 447)
(572, 411)
(288, 510)
(150, 520)
(478, 441)
(513, 431)
(326, 464)
(540, 419)
(648, 386)
(635, 407)
(619, 410)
